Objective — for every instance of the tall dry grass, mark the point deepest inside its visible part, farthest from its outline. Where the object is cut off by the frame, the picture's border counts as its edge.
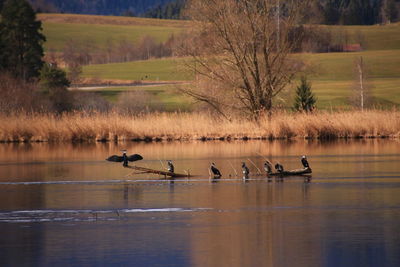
(192, 126)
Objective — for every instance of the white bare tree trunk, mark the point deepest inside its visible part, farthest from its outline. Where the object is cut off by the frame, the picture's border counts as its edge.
(360, 66)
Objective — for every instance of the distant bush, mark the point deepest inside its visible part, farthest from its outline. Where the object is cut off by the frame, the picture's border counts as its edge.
(17, 95)
(90, 102)
(54, 85)
(134, 102)
(79, 53)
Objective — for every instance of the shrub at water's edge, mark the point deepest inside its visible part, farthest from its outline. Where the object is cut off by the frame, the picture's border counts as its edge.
(188, 126)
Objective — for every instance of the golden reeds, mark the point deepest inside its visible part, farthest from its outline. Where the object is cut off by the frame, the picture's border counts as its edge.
(194, 126)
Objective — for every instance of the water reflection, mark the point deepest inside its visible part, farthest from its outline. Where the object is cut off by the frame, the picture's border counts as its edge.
(64, 204)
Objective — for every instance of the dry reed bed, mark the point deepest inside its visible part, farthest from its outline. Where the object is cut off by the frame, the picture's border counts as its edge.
(188, 126)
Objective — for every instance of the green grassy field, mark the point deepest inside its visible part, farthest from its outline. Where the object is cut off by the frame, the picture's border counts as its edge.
(340, 66)
(324, 67)
(332, 77)
(100, 30)
(100, 35)
(147, 70)
(165, 96)
(376, 37)
(384, 93)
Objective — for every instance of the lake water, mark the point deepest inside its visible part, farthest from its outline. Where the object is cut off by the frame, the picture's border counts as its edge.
(64, 205)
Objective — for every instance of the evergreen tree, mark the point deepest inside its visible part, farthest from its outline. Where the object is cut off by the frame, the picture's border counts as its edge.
(389, 11)
(54, 84)
(331, 12)
(20, 40)
(358, 12)
(305, 99)
(52, 77)
(170, 10)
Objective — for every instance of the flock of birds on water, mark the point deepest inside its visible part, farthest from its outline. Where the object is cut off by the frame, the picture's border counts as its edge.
(214, 171)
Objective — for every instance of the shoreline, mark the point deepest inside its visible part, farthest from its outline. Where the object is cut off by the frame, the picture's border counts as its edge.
(165, 127)
(203, 139)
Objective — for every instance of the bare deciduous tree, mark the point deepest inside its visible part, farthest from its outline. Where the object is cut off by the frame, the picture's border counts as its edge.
(240, 49)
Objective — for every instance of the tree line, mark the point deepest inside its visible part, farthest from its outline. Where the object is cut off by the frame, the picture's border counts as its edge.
(355, 12)
(84, 52)
(330, 12)
(101, 7)
(170, 10)
(315, 39)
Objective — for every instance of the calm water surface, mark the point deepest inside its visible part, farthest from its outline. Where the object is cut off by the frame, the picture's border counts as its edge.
(64, 205)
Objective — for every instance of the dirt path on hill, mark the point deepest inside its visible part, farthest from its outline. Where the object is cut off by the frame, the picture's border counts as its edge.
(88, 87)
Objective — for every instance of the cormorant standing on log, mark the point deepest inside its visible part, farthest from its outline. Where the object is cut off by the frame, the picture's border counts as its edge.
(304, 161)
(215, 171)
(245, 170)
(279, 167)
(171, 167)
(124, 158)
(267, 167)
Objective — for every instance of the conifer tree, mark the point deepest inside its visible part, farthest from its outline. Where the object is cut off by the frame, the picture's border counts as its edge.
(305, 99)
(21, 40)
(54, 85)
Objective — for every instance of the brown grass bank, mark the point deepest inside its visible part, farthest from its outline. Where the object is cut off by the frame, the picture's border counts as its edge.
(188, 126)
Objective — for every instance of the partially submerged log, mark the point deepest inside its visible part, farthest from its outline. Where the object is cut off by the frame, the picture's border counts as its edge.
(297, 172)
(166, 174)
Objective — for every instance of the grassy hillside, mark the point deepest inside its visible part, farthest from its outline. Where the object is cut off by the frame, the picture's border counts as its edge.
(99, 30)
(339, 66)
(335, 94)
(332, 77)
(375, 37)
(147, 70)
(324, 66)
(164, 97)
(99, 35)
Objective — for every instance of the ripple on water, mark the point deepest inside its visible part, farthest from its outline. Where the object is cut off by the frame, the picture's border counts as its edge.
(29, 216)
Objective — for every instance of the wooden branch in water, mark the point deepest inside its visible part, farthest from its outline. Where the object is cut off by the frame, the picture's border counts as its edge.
(163, 173)
(233, 168)
(259, 171)
(297, 172)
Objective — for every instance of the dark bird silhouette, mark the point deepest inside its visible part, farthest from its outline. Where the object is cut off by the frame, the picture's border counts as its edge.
(215, 171)
(279, 167)
(245, 170)
(304, 161)
(267, 167)
(171, 167)
(124, 158)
